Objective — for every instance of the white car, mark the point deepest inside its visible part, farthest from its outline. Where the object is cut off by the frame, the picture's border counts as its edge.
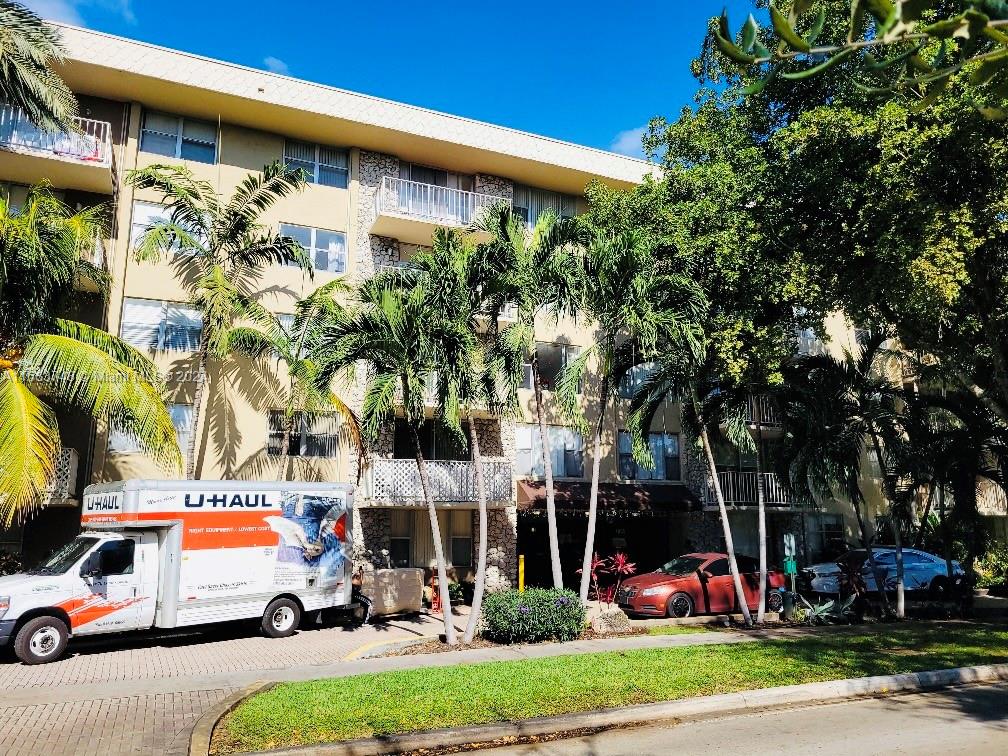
(921, 571)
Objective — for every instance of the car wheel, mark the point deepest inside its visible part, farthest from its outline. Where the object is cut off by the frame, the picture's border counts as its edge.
(939, 588)
(41, 640)
(775, 601)
(679, 605)
(281, 618)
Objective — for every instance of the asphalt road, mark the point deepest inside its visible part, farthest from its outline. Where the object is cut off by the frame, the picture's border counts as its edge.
(969, 720)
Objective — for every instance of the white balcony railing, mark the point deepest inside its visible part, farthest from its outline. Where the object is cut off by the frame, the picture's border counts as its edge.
(810, 345)
(991, 499)
(739, 489)
(397, 481)
(91, 143)
(64, 482)
(437, 204)
(760, 409)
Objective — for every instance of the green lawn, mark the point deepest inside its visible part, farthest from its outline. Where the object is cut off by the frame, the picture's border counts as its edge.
(680, 629)
(391, 702)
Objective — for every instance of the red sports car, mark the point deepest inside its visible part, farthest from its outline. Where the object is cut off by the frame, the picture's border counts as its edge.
(698, 584)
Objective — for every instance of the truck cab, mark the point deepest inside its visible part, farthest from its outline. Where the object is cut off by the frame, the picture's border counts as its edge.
(100, 582)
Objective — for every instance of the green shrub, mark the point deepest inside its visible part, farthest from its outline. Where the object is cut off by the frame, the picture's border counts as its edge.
(992, 568)
(536, 615)
(455, 592)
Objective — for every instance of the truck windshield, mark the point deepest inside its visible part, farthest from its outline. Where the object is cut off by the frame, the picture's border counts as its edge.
(65, 557)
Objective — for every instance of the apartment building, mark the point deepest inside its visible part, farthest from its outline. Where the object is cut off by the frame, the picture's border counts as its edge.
(383, 176)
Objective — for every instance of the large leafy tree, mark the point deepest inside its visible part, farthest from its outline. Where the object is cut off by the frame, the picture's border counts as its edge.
(298, 346)
(28, 49)
(400, 341)
(48, 360)
(217, 248)
(633, 303)
(539, 278)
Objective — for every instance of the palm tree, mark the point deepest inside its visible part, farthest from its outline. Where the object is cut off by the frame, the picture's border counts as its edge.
(398, 338)
(217, 247)
(45, 358)
(539, 277)
(28, 49)
(688, 376)
(299, 347)
(632, 304)
(463, 282)
(831, 410)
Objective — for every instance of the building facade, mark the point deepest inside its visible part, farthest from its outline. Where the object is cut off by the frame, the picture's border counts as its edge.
(382, 177)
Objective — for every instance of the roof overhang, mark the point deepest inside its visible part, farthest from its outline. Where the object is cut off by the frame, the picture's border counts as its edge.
(121, 69)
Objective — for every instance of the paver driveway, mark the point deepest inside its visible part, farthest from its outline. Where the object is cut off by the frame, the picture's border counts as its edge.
(141, 694)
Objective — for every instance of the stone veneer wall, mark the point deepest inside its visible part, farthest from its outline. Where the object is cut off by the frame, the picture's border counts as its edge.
(372, 251)
(499, 187)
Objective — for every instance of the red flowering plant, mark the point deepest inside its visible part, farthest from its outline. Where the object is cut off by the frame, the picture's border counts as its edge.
(598, 567)
(620, 566)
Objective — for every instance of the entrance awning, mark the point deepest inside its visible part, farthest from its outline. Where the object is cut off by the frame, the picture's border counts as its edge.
(629, 497)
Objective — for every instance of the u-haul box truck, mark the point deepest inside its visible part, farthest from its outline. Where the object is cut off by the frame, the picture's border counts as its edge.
(174, 553)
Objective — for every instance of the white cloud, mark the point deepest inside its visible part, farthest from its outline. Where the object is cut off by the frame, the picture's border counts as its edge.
(70, 11)
(629, 142)
(276, 65)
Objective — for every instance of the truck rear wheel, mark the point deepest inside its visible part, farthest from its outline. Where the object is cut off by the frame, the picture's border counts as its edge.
(281, 618)
(41, 640)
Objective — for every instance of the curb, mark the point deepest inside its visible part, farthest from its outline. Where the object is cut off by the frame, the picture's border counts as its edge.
(691, 708)
(199, 740)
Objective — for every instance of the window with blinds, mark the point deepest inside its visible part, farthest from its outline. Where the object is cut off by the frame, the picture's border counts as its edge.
(552, 359)
(664, 453)
(150, 324)
(530, 203)
(181, 416)
(312, 435)
(566, 451)
(178, 137)
(326, 248)
(328, 166)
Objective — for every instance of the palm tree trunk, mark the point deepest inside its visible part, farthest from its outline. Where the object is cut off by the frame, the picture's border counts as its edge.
(446, 610)
(285, 446)
(481, 498)
(866, 544)
(919, 536)
(761, 517)
(593, 494)
(201, 381)
(551, 521)
(729, 542)
(889, 489)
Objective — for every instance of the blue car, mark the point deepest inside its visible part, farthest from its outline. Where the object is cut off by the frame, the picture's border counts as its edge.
(921, 571)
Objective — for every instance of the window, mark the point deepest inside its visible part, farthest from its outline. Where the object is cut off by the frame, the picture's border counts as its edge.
(116, 557)
(326, 248)
(168, 326)
(746, 565)
(566, 451)
(312, 435)
(461, 543)
(181, 416)
(435, 177)
(718, 568)
(328, 166)
(530, 203)
(178, 137)
(436, 442)
(145, 215)
(634, 378)
(552, 359)
(664, 452)
(400, 540)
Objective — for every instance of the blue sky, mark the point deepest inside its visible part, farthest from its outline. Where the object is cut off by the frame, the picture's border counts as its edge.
(590, 72)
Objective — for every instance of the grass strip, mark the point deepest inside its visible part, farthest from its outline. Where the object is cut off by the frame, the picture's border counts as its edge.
(406, 701)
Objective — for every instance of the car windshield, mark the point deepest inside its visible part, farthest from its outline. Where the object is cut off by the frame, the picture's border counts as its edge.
(684, 565)
(65, 557)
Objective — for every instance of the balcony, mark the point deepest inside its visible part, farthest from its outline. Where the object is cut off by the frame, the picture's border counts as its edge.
(62, 490)
(410, 211)
(81, 159)
(396, 482)
(739, 490)
(761, 410)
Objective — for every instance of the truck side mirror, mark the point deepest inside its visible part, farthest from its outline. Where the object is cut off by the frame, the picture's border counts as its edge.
(90, 570)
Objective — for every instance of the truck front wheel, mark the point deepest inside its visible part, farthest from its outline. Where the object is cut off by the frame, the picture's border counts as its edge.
(281, 618)
(41, 640)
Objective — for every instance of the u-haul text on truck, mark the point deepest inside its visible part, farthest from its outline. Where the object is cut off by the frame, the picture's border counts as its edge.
(165, 553)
